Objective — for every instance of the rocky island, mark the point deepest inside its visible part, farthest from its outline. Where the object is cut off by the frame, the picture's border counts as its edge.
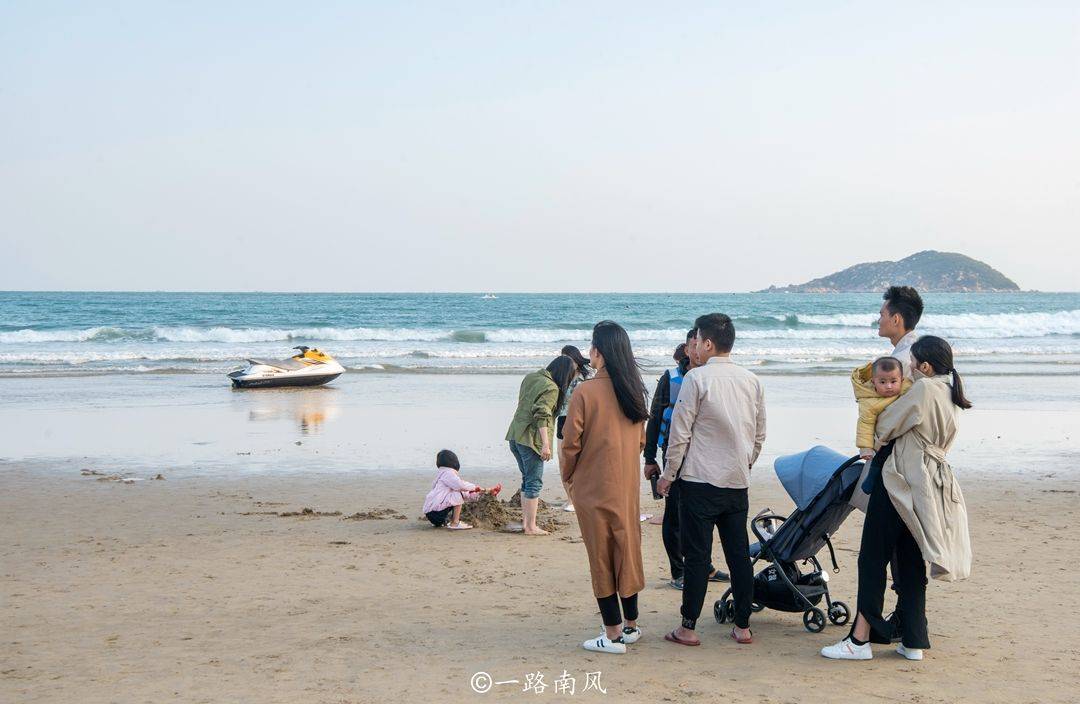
(926, 271)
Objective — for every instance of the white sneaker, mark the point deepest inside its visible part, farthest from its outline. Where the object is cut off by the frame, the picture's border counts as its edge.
(603, 645)
(846, 650)
(569, 508)
(909, 653)
(631, 635)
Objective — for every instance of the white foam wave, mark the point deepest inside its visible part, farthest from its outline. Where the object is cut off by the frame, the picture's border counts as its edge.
(471, 355)
(803, 327)
(31, 336)
(224, 334)
(968, 324)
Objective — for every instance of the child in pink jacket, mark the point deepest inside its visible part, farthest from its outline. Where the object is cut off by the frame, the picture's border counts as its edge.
(449, 492)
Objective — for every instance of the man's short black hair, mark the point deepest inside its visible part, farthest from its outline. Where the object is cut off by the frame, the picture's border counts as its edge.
(446, 458)
(690, 335)
(718, 328)
(905, 302)
(887, 364)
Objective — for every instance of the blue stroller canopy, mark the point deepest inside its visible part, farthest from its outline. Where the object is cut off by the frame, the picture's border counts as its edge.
(805, 474)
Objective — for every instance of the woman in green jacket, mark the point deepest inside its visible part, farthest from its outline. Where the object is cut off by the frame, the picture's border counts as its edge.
(532, 431)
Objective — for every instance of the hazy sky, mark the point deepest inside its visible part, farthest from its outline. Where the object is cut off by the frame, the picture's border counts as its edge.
(532, 146)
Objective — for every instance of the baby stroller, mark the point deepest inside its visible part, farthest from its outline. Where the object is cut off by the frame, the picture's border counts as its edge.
(821, 483)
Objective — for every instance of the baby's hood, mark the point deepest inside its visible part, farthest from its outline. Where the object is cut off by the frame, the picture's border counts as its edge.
(861, 382)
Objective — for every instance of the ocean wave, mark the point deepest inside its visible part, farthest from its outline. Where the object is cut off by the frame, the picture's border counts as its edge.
(98, 334)
(319, 334)
(1065, 322)
(444, 352)
(844, 326)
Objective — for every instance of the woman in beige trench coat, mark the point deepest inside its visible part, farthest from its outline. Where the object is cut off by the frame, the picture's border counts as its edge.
(603, 438)
(916, 509)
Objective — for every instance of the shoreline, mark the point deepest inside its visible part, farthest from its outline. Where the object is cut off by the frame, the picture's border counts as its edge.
(196, 424)
(771, 368)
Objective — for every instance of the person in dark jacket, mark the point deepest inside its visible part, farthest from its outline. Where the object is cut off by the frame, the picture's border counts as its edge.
(656, 433)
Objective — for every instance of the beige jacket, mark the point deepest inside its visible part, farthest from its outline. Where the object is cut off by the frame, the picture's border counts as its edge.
(920, 481)
(718, 426)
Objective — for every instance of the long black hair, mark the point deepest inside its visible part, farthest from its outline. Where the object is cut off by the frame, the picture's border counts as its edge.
(611, 341)
(579, 359)
(562, 370)
(938, 354)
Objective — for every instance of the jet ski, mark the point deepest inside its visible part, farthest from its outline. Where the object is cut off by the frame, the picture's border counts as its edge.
(308, 368)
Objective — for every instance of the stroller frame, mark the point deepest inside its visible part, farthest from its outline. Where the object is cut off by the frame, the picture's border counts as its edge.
(817, 584)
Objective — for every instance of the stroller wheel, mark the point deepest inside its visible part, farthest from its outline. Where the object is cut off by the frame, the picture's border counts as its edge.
(814, 620)
(839, 613)
(756, 607)
(719, 612)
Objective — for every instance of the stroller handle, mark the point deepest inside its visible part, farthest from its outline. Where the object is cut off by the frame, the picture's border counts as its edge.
(761, 518)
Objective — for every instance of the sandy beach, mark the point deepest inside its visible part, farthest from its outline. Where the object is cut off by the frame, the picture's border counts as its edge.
(194, 588)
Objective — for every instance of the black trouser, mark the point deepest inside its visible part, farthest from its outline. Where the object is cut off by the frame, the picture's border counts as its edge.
(609, 609)
(897, 619)
(702, 506)
(439, 518)
(885, 535)
(670, 532)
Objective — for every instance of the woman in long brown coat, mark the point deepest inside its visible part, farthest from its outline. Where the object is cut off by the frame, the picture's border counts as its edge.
(603, 438)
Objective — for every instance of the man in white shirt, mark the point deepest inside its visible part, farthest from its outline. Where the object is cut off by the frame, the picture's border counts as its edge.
(900, 313)
(717, 431)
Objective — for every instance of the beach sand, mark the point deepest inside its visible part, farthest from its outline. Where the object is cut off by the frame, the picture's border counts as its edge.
(185, 590)
(195, 589)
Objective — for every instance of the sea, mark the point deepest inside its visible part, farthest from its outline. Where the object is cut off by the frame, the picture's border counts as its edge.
(72, 333)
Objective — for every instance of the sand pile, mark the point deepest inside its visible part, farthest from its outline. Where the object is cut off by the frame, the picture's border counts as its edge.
(104, 477)
(308, 513)
(490, 513)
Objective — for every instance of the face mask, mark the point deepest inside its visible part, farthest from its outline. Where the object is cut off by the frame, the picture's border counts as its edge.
(916, 374)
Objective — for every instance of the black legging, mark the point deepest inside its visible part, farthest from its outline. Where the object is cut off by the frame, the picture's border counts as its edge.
(885, 535)
(609, 609)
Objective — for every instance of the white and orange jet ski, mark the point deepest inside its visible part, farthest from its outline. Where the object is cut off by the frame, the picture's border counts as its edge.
(309, 368)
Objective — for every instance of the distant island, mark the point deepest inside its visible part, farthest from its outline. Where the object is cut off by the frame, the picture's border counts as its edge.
(926, 271)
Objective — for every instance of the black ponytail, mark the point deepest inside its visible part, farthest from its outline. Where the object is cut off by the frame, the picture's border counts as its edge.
(958, 391)
(939, 355)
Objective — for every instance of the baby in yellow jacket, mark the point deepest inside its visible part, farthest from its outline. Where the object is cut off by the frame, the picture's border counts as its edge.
(876, 386)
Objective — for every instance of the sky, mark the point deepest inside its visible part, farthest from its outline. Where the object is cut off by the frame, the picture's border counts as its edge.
(532, 146)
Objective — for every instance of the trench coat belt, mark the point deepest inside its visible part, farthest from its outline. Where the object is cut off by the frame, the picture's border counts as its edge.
(943, 474)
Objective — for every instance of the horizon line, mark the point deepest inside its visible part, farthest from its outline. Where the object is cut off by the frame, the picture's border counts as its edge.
(506, 293)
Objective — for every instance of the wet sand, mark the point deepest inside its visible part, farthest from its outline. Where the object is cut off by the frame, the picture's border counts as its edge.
(195, 424)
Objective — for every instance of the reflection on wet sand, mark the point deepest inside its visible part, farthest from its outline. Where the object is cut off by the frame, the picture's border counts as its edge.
(310, 408)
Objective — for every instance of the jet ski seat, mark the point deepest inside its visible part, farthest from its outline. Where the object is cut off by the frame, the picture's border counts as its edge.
(290, 364)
